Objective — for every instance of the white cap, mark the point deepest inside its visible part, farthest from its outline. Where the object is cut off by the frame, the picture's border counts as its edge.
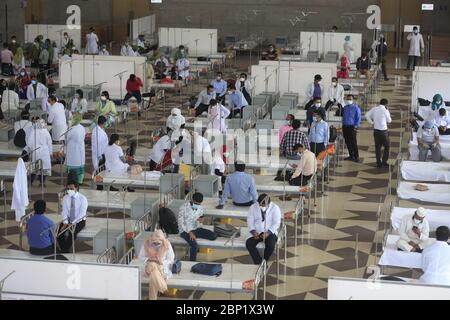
(176, 112)
(421, 213)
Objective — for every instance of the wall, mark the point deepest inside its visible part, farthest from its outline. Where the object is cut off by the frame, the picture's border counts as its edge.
(16, 20)
(247, 18)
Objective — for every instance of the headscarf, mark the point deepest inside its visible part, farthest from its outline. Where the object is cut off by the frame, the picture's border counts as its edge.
(76, 120)
(156, 247)
(438, 102)
(428, 125)
(18, 56)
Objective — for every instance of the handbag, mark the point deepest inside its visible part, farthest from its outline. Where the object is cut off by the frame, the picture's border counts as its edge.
(176, 267)
(226, 230)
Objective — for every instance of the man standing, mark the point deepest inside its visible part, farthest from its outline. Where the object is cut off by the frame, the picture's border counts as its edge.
(436, 260)
(7, 59)
(380, 117)
(351, 121)
(382, 50)
(319, 133)
(416, 48)
(92, 42)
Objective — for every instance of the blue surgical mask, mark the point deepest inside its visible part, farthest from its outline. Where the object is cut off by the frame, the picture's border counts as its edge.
(196, 206)
(33, 81)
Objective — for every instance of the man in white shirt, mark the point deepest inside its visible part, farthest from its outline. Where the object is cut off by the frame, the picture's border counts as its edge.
(414, 232)
(183, 69)
(428, 140)
(263, 221)
(92, 42)
(336, 95)
(380, 117)
(305, 168)
(436, 260)
(99, 142)
(442, 121)
(74, 211)
(159, 150)
(57, 117)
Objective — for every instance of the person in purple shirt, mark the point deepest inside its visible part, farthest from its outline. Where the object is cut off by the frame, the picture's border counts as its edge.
(7, 58)
(40, 231)
(351, 121)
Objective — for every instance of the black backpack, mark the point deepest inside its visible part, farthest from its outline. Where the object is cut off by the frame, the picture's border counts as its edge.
(168, 221)
(333, 134)
(207, 269)
(19, 138)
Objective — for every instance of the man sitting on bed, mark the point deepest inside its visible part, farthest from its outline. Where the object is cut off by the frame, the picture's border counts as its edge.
(414, 232)
(428, 140)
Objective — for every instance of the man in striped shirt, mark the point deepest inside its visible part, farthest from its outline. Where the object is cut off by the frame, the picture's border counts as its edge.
(291, 139)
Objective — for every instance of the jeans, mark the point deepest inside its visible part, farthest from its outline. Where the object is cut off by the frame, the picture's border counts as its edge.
(136, 94)
(200, 109)
(435, 152)
(381, 140)
(351, 140)
(248, 204)
(300, 181)
(199, 233)
(317, 148)
(270, 244)
(413, 60)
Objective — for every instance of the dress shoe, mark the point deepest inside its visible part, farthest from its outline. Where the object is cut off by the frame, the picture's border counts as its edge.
(349, 159)
(386, 165)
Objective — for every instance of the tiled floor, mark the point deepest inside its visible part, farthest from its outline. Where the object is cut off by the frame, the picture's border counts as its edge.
(340, 238)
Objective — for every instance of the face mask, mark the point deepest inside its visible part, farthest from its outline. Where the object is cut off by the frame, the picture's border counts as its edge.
(22, 74)
(77, 96)
(416, 32)
(263, 208)
(417, 221)
(182, 50)
(334, 84)
(195, 206)
(439, 102)
(242, 79)
(71, 192)
(103, 98)
(349, 102)
(14, 41)
(318, 105)
(230, 92)
(33, 81)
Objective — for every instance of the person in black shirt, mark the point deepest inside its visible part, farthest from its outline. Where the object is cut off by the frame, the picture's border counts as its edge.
(382, 50)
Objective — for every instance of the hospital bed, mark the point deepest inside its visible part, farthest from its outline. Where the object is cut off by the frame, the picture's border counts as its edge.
(235, 278)
(429, 114)
(8, 168)
(107, 178)
(8, 149)
(394, 258)
(437, 193)
(425, 171)
(442, 139)
(435, 218)
(414, 149)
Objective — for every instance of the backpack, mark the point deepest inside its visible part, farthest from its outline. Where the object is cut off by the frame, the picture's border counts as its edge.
(168, 221)
(333, 134)
(207, 269)
(176, 267)
(19, 138)
(226, 230)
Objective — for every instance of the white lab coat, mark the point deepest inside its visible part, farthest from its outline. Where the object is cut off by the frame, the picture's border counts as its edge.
(104, 53)
(41, 93)
(157, 153)
(337, 93)
(79, 106)
(272, 222)
(309, 93)
(114, 163)
(91, 43)
(99, 142)
(20, 190)
(39, 142)
(57, 117)
(416, 44)
(75, 149)
(10, 100)
(349, 51)
(217, 122)
(127, 51)
(436, 264)
(217, 164)
(183, 68)
(248, 86)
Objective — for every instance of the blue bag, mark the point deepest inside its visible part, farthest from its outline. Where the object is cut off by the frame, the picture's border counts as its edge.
(207, 269)
(176, 267)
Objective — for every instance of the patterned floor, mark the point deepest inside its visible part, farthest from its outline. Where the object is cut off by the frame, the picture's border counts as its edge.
(341, 238)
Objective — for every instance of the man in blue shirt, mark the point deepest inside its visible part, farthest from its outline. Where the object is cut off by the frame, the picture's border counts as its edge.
(40, 231)
(351, 121)
(319, 133)
(241, 186)
(236, 101)
(220, 86)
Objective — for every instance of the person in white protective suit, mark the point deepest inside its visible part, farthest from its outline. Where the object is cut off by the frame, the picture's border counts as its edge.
(416, 48)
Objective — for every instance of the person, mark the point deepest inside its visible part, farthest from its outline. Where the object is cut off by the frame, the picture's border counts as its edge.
(334, 29)
(18, 62)
(437, 103)
(291, 139)
(414, 232)
(285, 128)
(183, 69)
(133, 87)
(39, 145)
(218, 169)
(10, 100)
(7, 59)
(316, 106)
(14, 45)
(442, 121)
(92, 42)
(181, 53)
(416, 48)
(428, 140)
(241, 186)
(73, 214)
(149, 76)
(55, 61)
(176, 120)
(162, 144)
(314, 91)
(127, 50)
(245, 86)
(140, 41)
(40, 231)
(195, 150)
(263, 221)
(319, 133)
(51, 53)
(336, 95)
(44, 57)
(158, 256)
(24, 123)
(379, 117)
(217, 114)
(75, 150)
(161, 66)
(381, 51)
(68, 44)
(236, 101)
(57, 117)
(220, 87)
(344, 68)
(351, 120)
(271, 53)
(107, 108)
(305, 169)
(99, 142)
(104, 51)
(204, 100)
(114, 156)
(348, 49)
(23, 80)
(190, 218)
(37, 91)
(35, 51)
(436, 260)
(79, 103)
(363, 65)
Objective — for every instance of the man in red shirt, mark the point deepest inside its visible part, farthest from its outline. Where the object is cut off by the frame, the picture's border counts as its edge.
(134, 85)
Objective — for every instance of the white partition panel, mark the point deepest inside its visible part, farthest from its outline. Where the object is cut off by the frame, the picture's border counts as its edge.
(60, 279)
(201, 42)
(285, 76)
(86, 70)
(428, 81)
(52, 32)
(144, 25)
(361, 289)
(330, 41)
